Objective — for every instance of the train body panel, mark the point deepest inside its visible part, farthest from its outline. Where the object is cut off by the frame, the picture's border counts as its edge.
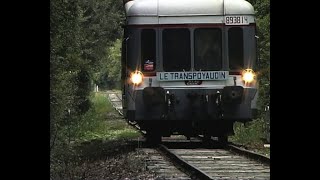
(186, 7)
(191, 104)
(188, 66)
(185, 12)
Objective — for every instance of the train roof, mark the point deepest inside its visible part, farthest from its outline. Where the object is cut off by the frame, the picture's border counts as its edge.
(178, 8)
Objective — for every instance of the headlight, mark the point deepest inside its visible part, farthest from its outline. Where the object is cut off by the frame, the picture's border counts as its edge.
(136, 77)
(248, 75)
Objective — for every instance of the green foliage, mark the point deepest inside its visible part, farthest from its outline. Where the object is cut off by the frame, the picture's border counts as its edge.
(64, 53)
(262, 10)
(80, 34)
(253, 132)
(100, 21)
(114, 58)
(83, 91)
(251, 135)
(101, 122)
(109, 76)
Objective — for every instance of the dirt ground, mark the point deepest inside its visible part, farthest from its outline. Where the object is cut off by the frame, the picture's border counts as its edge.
(102, 160)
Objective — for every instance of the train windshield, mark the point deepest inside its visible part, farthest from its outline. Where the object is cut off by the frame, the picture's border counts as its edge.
(176, 50)
(208, 51)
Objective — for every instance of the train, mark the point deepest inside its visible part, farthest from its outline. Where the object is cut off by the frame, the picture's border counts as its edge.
(188, 67)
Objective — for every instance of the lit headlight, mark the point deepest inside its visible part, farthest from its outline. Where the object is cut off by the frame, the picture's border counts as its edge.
(248, 75)
(136, 77)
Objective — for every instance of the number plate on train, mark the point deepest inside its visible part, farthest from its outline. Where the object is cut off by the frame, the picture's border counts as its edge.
(236, 20)
(193, 82)
(199, 75)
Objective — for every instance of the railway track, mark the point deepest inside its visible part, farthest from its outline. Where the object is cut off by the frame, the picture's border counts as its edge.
(116, 100)
(162, 166)
(217, 163)
(190, 159)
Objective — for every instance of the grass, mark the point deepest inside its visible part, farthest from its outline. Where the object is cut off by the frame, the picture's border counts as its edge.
(102, 122)
(102, 125)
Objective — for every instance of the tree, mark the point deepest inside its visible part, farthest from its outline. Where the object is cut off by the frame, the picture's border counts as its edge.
(80, 33)
(64, 53)
(109, 76)
(262, 10)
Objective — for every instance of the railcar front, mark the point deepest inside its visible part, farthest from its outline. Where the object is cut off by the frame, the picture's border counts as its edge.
(188, 67)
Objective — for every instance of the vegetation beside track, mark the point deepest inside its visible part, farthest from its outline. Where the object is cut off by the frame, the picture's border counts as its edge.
(251, 136)
(96, 146)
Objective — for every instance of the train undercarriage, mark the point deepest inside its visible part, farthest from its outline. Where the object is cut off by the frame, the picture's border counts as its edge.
(207, 112)
(190, 128)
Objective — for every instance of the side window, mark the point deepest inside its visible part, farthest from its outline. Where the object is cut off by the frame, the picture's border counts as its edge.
(235, 45)
(148, 50)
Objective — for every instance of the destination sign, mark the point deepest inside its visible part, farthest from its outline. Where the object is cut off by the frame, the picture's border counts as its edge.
(199, 75)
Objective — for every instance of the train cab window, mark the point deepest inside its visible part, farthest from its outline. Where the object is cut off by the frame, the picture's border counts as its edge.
(176, 50)
(208, 51)
(235, 45)
(148, 50)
